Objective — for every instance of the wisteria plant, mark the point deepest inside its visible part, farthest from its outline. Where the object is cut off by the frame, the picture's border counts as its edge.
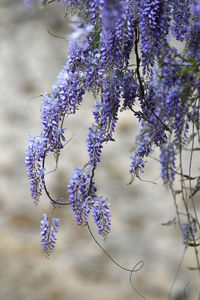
(160, 85)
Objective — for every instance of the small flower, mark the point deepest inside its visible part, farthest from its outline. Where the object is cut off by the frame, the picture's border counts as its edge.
(101, 215)
(196, 8)
(83, 198)
(129, 89)
(167, 159)
(81, 190)
(49, 230)
(79, 38)
(95, 139)
(34, 155)
(188, 231)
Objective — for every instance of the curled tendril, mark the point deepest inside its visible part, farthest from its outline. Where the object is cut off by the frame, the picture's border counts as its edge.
(136, 267)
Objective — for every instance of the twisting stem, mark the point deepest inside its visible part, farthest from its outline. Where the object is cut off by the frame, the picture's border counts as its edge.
(136, 268)
(47, 192)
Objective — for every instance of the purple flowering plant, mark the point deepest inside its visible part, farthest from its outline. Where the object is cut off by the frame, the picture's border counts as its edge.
(162, 80)
(48, 234)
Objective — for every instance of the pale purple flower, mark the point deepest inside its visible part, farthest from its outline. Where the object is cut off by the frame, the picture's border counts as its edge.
(34, 155)
(196, 8)
(79, 38)
(48, 234)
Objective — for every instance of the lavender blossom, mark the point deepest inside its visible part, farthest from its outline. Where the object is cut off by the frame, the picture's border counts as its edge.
(154, 22)
(167, 159)
(34, 156)
(181, 14)
(79, 38)
(129, 29)
(81, 191)
(110, 103)
(48, 233)
(65, 98)
(193, 41)
(95, 139)
(112, 34)
(101, 215)
(196, 8)
(83, 199)
(129, 89)
(144, 149)
(188, 231)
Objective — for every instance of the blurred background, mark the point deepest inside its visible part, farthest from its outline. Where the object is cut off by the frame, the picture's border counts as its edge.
(30, 60)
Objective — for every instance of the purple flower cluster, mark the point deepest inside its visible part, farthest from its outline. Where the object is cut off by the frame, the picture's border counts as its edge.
(101, 215)
(129, 89)
(81, 191)
(79, 38)
(196, 8)
(48, 234)
(154, 21)
(34, 156)
(193, 40)
(181, 12)
(112, 33)
(129, 29)
(110, 103)
(163, 98)
(82, 196)
(167, 159)
(144, 143)
(95, 140)
(188, 231)
(65, 98)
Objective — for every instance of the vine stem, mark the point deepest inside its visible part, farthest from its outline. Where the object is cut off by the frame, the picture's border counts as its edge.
(136, 268)
(46, 190)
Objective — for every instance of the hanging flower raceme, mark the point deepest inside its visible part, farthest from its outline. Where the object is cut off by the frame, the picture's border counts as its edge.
(111, 37)
(167, 159)
(64, 100)
(154, 22)
(49, 229)
(129, 89)
(34, 157)
(181, 12)
(196, 8)
(95, 139)
(193, 41)
(81, 191)
(82, 196)
(101, 215)
(79, 38)
(144, 143)
(110, 103)
(189, 230)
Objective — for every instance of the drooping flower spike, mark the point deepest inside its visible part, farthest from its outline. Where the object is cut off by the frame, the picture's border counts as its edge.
(49, 229)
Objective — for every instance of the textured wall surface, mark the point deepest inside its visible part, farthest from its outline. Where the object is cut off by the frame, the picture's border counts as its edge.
(30, 59)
